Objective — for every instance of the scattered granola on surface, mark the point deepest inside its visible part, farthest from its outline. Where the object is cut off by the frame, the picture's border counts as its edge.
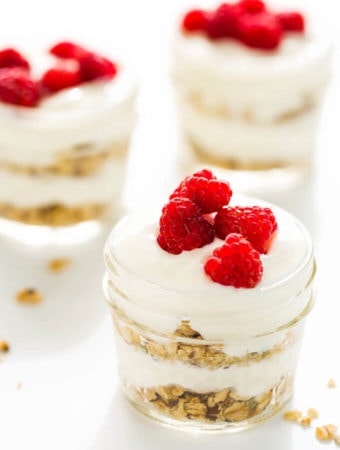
(4, 346)
(326, 432)
(292, 415)
(29, 296)
(57, 265)
(313, 413)
(331, 383)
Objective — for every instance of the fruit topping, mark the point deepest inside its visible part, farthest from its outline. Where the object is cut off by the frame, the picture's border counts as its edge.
(9, 57)
(59, 78)
(17, 88)
(67, 50)
(236, 263)
(94, 67)
(195, 20)
(252, 6)
(223, 23)
(262, 31)
(198, 211)
(292, 21)
(248, 21)
(255, 223)
(182, 226)
(74, 65)
(204, 189)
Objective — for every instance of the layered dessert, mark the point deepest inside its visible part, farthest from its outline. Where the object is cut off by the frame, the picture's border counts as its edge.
(66, 117)
(250, 81)
(208, 301)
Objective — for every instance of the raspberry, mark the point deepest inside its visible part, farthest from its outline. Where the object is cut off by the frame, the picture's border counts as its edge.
(58, 78)
(17, 88)
(67, 50)
(194, 20)
(223, 23)
(255, 223)
(205, 190)
(93, 67)
(236, 263)
(261, 31)
(252, 6)
(9, 57)
(183, 227)
(292, 21)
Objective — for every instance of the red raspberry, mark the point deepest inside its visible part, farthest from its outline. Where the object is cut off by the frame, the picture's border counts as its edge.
(292, 21)
(194, 20)
(183, 227)
(252, 6)
(9, 57)
(93, 67)
(223, 23)
(67, 50)
(205, 190)
(261, 31)
(58, 78)
(255, 223)
(17, 88)
(236, 263)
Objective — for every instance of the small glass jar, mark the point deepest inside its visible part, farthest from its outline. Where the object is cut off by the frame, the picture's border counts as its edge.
(222, 367)
(63, 162)
(251, 114)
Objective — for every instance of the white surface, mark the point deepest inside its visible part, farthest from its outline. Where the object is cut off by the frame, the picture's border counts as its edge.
(62, 350)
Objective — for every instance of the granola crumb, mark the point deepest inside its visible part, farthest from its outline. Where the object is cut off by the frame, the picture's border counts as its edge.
(19, 385)
(326, 432)
(4, 346)
(305, 421)
(292, 415)
(313, 413)
(331, 383)
(337, 439)
(29, 296)
(58, 264)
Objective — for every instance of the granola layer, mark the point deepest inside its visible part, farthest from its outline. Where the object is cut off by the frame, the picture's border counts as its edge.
(53, 215)
(247, 115)
(82, 160)
(203, 157)
(225, 405)
(188, 349)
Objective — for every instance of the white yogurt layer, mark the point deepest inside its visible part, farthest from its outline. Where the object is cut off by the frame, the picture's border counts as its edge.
(23, 191)
(247, 143)
(97, 113)
(262, 85)
(139, 369)
(250, 105)
(158, 289)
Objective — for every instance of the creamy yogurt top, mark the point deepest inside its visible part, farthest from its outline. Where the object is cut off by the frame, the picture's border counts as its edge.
(154, 282)
(264, 84)
(97, 112)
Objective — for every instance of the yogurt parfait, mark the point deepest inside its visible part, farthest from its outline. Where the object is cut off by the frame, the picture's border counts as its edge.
(66, 118)
(209, 300)
(250, 82)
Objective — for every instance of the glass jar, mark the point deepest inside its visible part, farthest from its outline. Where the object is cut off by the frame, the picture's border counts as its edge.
(251, 114)
(63, 162)
(227, 366)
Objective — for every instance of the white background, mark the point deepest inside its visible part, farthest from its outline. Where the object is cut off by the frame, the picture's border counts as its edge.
(58, 385)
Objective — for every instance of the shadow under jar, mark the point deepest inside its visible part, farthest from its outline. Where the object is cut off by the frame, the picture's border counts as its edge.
(217, 359)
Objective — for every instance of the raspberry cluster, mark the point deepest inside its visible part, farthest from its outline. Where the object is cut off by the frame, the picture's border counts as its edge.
(74, 65)
(198, 211)
(250, 22)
